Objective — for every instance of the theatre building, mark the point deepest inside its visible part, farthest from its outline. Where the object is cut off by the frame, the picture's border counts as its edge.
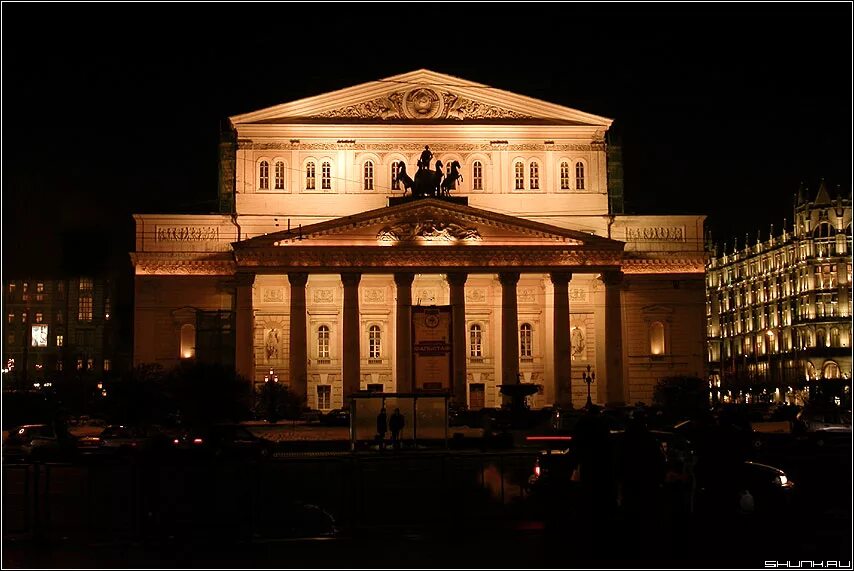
(325, 261)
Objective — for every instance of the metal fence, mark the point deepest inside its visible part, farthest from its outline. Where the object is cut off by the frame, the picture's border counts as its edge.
(98, 500)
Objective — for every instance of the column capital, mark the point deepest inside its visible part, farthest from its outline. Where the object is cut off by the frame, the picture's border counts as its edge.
(404, 279)
(457, 278)
(612, 278)
(298, 279)
(508, 278)
(561, 278)
(351, 278)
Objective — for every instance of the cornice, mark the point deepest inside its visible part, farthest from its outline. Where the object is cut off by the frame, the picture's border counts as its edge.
(184, 263)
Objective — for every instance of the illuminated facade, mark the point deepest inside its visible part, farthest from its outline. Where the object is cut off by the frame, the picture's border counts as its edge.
(308, 273)
(59, 328)
(779, 311)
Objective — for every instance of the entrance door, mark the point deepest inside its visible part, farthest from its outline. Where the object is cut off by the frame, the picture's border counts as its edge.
(477, 396)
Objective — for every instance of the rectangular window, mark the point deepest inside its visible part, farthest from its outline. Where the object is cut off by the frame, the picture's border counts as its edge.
(39, 317)
(11, 317)
(526, 341)
(264, 176)
(309, 176)
(520, 176)
(324, 397)
(369, 175)
(59, 340)
(84, 301)
(280, 175)
(476, 341)
(564, 176)
(374, 342)
(108, 306)
(11, 288)
(79, 364)
(326, 176)
(477, 176)
(90, 364)
(535, 176)
(107, 364)
(395, 183)
(323, 342)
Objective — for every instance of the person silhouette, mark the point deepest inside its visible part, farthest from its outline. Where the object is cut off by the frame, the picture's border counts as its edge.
(426, 157)
(382, 427)
(396, 424)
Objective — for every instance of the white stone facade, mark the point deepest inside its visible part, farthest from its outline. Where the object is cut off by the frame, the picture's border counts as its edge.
(315, 175)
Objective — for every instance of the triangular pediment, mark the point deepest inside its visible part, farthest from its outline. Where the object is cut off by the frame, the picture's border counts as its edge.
(421, 95)
(430, 222)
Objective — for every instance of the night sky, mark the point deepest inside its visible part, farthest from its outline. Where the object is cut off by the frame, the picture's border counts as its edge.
(109, 110)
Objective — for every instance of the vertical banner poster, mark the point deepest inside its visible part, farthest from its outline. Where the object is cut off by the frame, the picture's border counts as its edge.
(432, 358)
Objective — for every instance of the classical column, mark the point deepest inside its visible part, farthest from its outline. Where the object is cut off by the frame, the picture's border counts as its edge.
(244, 324)
(352, 335)
(562, 349)
(403, 331)
(613, 338)
(457, 284)
(298, 347)
(509, 329)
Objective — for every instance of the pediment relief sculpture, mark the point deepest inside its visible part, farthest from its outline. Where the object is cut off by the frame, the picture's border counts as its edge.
(422, 102)
(428, 230)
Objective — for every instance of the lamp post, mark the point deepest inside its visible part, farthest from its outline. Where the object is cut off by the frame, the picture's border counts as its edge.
(588, 378)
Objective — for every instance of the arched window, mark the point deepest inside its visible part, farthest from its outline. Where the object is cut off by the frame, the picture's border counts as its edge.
(323, 342)
(374, 342)
(395, 184)
(309, 176)
(477, 175)
(263, 175)
(656, 338)
(520, 176)
(820, 338)
(475, 341)
(526, 340)
(326, 176)
(834, 337)
(564, 175)
(830, 370)
(280, 175)
(579, 176)
(535, 175)
(369, 175)
(188, 341)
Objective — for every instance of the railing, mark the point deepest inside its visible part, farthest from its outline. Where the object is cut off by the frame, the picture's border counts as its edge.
(249, 500)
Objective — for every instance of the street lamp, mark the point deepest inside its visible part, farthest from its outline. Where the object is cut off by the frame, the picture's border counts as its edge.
(588, 378)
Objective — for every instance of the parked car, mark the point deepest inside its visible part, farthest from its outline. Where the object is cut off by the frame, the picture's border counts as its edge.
(125, 438)
(751, 488)
(813, 419)
(226, 440)
(39, 442)
(336, 417)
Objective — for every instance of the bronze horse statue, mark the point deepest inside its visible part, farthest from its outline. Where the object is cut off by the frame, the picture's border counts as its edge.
(450, 182)
(428, 182)
(405, 179)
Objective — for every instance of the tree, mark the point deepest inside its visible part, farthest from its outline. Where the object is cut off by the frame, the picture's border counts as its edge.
(204, 394)
(274, 402)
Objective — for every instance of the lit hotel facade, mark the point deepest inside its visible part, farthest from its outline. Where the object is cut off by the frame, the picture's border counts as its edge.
(779, 310)
(309, 272)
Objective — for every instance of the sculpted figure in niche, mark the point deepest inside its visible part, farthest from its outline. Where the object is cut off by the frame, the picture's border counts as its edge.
(272, 345)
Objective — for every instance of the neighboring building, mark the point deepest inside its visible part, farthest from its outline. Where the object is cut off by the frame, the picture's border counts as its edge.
(309, 271)
(779, 311)
(57, 329)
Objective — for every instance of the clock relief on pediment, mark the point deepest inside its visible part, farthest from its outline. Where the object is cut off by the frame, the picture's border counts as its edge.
(325, 295)
(422, 102)
(428, 230)
(373, 295)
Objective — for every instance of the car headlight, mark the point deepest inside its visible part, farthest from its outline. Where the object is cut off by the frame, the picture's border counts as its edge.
(783, 481)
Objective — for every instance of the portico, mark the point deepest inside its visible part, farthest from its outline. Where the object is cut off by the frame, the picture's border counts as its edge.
(480, 243)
